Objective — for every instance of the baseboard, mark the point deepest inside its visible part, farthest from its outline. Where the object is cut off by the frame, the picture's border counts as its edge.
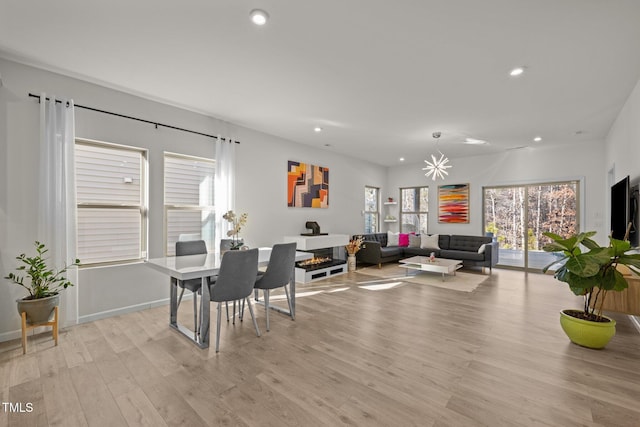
(124, 310)
(12, 335)
(17, 334)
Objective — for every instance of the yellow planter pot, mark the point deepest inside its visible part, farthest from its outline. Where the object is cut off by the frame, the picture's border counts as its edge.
(587, 333)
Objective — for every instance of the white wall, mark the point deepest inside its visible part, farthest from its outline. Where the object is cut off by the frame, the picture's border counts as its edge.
(534, 164)
(623, 141)
(263, 194)
(623, 146)
(261, 188)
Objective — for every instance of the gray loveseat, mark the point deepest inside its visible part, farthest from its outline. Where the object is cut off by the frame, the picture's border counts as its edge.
(471, 250)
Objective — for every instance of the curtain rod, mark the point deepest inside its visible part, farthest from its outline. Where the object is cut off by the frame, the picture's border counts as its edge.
(156, 124)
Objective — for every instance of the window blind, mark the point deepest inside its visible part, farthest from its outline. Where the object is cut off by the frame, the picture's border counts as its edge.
(188, 181)
(111, 213)
(108, 175)
(188, 195)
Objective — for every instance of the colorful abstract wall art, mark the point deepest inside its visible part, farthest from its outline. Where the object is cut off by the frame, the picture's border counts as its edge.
(453, 203)
(307, 185)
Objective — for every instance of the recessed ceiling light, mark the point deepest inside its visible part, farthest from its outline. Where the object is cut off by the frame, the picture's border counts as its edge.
(537, 139)
(516, 71)
(474, 141)
(317, 129)
(402, 159)
(259, 16)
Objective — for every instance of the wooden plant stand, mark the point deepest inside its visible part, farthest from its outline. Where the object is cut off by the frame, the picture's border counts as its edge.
(628, 300)
(26, 327)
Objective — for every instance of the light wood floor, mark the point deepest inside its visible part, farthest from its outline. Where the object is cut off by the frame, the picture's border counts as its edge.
(408, 355)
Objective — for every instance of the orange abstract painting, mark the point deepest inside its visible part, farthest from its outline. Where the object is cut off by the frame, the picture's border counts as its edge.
(453, 203)
(307, 185)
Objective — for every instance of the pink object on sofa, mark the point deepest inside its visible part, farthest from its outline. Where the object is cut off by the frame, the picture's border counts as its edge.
(403, 239)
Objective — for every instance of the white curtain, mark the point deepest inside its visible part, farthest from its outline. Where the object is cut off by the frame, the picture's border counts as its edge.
(225, 185)
(57, 196)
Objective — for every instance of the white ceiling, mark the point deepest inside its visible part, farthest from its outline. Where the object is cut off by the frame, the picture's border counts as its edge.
(380, 76)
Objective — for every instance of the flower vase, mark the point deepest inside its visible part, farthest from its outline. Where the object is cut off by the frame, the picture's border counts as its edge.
(351, 262)
(236, 244)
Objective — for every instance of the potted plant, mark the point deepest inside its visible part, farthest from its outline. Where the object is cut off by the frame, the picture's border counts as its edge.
(44, 287)
(237, 222)
(591, 274)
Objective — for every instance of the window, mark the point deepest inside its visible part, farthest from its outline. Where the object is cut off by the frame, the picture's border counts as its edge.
(371, 212)
(414, 212)
(517, 216)
(188, 199)
(111, 195)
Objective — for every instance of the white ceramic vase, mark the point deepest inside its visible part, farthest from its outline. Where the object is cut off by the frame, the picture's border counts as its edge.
(351, 262)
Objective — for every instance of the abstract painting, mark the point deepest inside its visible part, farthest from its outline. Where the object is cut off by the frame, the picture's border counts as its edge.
(307, 185)
(453, 203)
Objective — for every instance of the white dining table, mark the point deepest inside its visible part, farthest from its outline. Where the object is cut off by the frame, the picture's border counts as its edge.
(201, 267)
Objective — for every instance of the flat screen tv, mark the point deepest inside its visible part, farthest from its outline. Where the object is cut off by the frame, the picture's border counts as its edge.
(620, 208)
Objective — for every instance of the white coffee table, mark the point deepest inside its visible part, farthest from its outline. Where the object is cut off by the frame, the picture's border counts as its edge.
(438, 265)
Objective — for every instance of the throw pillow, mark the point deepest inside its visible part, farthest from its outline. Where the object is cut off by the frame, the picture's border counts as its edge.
(481, 248)
(429, 242)
(414, 241)
(403, 239)
(393, 238)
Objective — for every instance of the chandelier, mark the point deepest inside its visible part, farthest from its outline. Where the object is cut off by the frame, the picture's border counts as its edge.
(437, 167)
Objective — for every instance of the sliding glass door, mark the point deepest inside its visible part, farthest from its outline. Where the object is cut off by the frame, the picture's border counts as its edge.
(504, 218)
(517, 217)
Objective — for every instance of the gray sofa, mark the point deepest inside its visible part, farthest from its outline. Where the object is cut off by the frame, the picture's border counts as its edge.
(464, 248)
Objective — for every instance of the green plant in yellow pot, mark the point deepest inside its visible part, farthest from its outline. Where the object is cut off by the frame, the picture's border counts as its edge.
(590, 274)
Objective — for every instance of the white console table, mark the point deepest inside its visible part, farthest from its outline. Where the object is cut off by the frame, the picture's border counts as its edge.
(310, 243)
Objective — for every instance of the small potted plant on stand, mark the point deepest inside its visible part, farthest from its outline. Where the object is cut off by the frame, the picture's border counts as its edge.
(352, 248)
(591, 275)
(44, 287)
(237, 222)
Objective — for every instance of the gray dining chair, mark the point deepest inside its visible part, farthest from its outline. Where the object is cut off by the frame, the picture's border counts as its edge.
(235, 281)
(225, 245)
(278, 274)
(191, 247)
